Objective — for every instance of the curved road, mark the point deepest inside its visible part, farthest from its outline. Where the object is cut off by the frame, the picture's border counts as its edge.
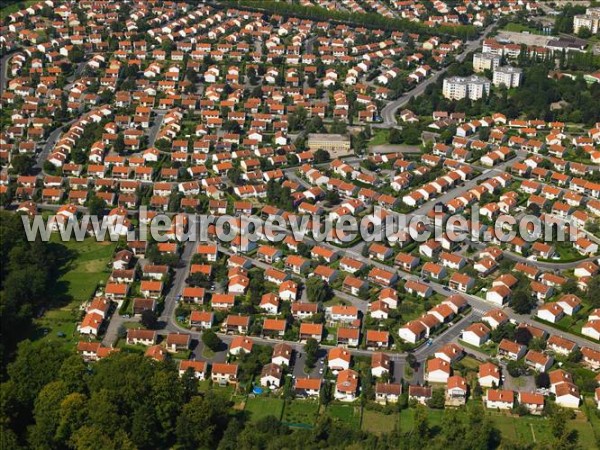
(388, 113)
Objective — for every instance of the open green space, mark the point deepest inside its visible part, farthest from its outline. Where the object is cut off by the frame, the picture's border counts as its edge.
(13, 7)
(520, 28)
(261, 407)
(347, 413)
(300, 412)
(87, 267)
(378, 422)
(380, 137)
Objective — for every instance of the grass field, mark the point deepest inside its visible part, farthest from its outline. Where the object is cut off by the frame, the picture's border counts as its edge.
(407, 418)
(380, 137)
(87, 268)
(349, 414)
(301, 412)
(14, 7)
(523, 429)
(587, 439)
(470, 363)
(594, 417)
(77, 283)
(260, 407)
(526, 430)
(379, 423)
(518, 28)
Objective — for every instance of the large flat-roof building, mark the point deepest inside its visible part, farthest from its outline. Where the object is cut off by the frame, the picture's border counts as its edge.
(485, 61)
(589, 20)
(335, 144)
(508, 76)
(473, 87)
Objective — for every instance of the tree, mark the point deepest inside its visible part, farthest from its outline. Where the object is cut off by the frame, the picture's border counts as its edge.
(421, 430)
(523, 336)
(515, 368)
(584, 33)
(47, 414)
(317, 290)
(149, 319)
(564, 438)
(593, 291)
(76, 54)
(338, 127)
(522, 303)
(395, 136)
(326, 393)
(96, 206)
(211, 340)
(310, 350)
(119, 145)
(575, 356)
(199, 425)
(321, 156)
(542, 380)
(22, 164)
(411, 135)
(438, 399)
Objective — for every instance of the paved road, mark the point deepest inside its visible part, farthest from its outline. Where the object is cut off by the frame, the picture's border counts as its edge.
(388, 113)
(178, 282)
(4, 70)
(160, 115)
(48, 146)
(112, 331)
(362, 305)
(466, 186)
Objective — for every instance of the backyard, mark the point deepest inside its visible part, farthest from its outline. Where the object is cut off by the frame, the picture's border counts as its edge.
(346, 413)
(261, 407)
(379, 423)
(300, 412)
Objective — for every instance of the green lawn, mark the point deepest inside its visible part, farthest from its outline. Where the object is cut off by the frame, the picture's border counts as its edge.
(347, 413)
(520, 28)
(77, 283)
(593, 416)
(300, 412)
(407, 418)
(379, 423)
(58, 325)
(470, 363)
(587, 439)
(260, 407)
(380, 137)
(14, 7)
(88, 267)
(523, 429)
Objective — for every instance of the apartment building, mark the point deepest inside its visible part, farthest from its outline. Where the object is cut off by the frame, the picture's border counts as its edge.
(485, 61)
(508, 76)
(473, 87)
(589, 20)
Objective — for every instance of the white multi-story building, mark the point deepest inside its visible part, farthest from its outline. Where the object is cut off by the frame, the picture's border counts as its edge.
(589, 20)
(473, 87)
(508, 76)
(485, 61)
